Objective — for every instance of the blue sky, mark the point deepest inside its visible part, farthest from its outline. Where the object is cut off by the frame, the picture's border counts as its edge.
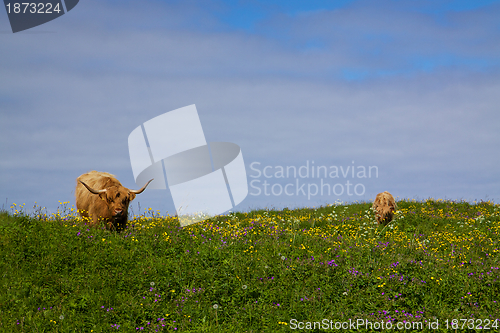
(411, 87)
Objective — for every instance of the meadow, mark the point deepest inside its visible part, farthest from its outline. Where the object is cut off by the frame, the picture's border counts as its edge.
(435, 267)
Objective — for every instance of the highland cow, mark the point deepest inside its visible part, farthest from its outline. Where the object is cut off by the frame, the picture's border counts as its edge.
(101, 197)
(384, 207)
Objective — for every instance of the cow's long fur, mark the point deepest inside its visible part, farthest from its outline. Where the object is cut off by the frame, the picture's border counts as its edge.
(111, 207)
(384, 207)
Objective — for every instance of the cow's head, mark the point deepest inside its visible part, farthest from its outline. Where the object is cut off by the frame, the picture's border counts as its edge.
(117, 198)
(387, 211)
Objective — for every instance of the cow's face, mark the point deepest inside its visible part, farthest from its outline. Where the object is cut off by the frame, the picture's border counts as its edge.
(117, 200)
(387, 212)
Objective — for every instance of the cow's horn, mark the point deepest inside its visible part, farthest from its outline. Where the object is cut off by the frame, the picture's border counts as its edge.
(91, 189)
(142, 189)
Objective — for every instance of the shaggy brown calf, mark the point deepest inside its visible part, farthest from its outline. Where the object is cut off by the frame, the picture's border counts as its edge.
(384, 207)
(101, 197)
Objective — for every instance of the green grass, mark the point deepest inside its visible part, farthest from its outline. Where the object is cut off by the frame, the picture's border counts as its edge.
(252, 272)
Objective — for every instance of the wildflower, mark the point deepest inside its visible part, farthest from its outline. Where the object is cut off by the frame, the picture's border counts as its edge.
(282, 257)
(61, 317)
(244, 286)
(215, 306)
(152, 283)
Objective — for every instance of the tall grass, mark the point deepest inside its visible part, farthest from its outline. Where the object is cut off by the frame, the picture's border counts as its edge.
(261, 271)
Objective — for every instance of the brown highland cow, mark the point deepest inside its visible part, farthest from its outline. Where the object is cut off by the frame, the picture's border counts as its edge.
(384, 207)
(101, 197)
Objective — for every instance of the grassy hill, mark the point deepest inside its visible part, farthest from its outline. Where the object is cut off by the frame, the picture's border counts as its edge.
(436, 265)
